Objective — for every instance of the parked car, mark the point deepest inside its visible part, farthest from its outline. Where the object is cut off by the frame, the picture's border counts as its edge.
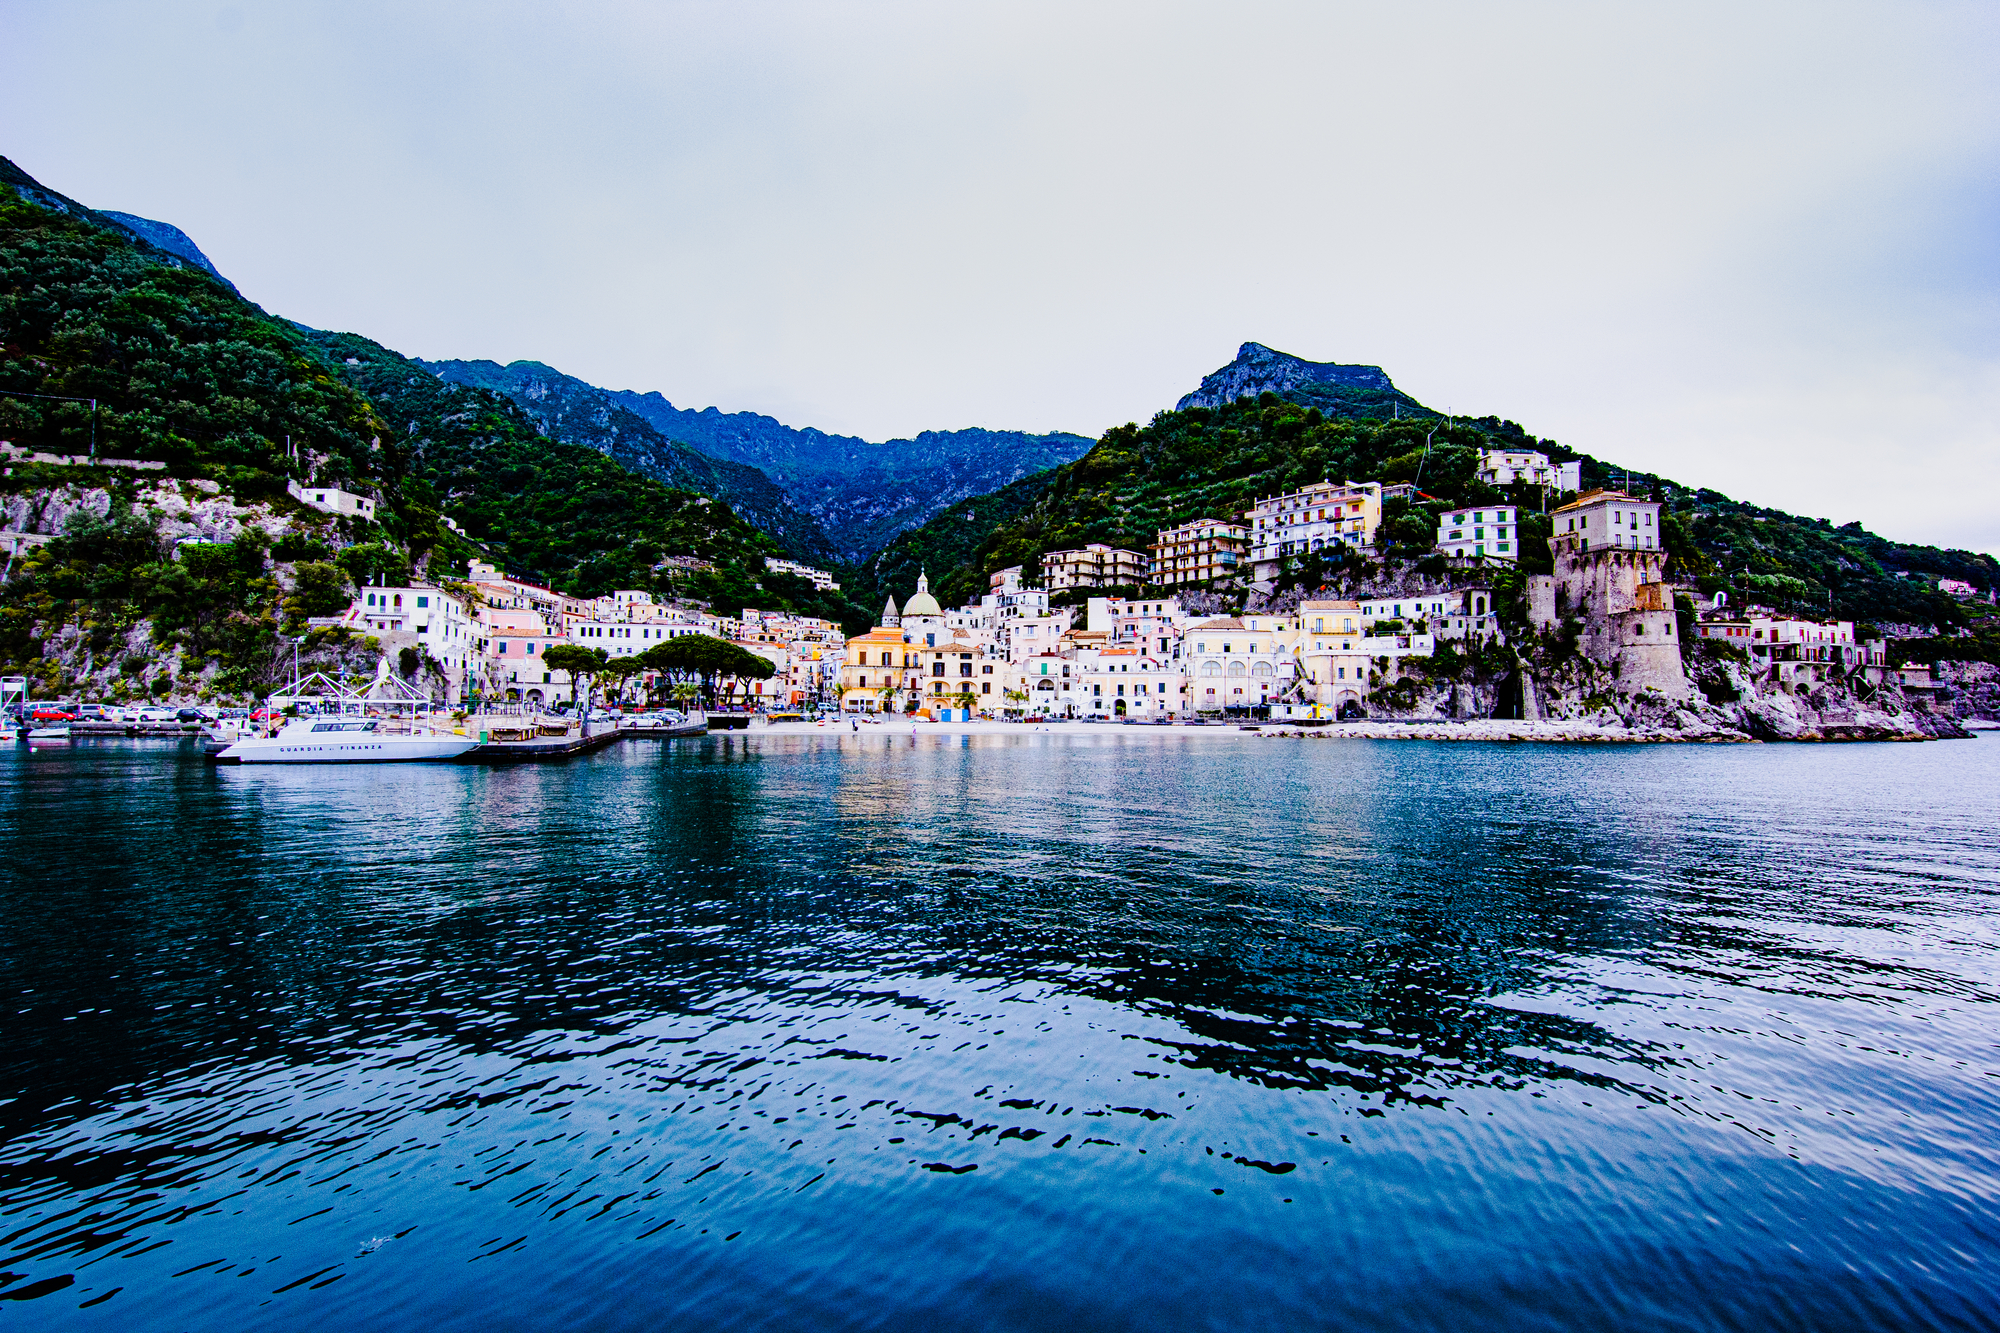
(190, 715)
(52, 713)
(99, 713)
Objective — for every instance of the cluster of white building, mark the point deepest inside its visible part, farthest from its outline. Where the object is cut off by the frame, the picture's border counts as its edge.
(1328, 518)
(1796, 651)
(1144, 658)
(489, 636)
(1010, 652)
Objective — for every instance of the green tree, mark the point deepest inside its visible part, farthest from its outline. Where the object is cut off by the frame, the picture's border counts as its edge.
(582, 664)
(319, 588)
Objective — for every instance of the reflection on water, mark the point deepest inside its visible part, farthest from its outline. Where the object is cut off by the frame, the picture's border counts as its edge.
(1096, 1029)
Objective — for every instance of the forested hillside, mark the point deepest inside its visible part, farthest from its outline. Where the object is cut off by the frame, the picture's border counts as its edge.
(565, 408)
(863, 494)
(1214, 461)
(234, 402)
(563, 512)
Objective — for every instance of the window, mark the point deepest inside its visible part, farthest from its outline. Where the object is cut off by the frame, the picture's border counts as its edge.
(531, 649)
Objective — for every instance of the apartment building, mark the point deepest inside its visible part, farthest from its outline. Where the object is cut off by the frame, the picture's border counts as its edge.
(878, 670)
(1236, 663)
(1019, 640)
(514, 642)
(445, 629)
(1491, 533)
(1197, 552)
(1095, 566)
(1149, 623)
(1513, 467)
(1050, 680)
(1128, 682)
(1341, 516)
(821, 580)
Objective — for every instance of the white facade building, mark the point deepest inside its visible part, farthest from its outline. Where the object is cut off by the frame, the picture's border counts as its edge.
(821, 580)
(1606, 519)
(1129, 683)
(446, 629)
(1511, 467)
(1491, 533)
(1300, 522)
(332, 500)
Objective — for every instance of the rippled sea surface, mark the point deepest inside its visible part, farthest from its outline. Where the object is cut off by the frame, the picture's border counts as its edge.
(1097, 1029)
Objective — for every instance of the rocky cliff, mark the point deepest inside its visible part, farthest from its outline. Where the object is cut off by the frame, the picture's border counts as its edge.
(1258, 369)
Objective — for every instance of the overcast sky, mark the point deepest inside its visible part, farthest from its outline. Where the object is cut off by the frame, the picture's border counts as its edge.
(1751, 246)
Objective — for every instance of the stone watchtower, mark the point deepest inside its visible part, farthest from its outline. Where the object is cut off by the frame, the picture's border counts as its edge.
(1610, 574)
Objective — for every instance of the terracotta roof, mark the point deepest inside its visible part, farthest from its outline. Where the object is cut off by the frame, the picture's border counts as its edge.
(1329, 606)
(1600, 495)
(1222, 623)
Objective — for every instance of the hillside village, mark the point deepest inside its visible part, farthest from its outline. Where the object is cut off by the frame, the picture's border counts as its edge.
(313, 497)
(1603, 637)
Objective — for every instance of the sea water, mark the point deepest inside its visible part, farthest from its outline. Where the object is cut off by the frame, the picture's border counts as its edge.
(1094, 1028)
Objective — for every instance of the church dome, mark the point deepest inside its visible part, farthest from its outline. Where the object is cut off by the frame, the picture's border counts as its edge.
(921, 602)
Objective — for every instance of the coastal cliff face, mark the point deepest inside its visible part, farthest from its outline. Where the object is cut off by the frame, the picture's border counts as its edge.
(1546, 686)
(1544, 678)
(1558, 679)
(205, 615)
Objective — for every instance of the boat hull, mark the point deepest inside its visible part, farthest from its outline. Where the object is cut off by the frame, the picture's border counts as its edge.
(338, 748)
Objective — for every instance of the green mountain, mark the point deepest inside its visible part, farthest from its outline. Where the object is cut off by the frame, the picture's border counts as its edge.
(567, 409)
(111, 344)
(1216, 454)
(563, 512)
(863, 493)
(830, 498)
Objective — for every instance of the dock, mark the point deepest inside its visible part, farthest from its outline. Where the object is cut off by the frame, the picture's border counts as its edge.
(540, 749)
(544, 748)
(168, 729)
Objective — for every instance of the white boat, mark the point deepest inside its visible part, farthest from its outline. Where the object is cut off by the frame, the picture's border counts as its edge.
(343, 740)
(57, 731)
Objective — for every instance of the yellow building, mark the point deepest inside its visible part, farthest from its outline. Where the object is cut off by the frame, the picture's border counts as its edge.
(879, 670)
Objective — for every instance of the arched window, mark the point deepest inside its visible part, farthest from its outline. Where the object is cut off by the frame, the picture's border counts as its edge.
(1210, 669)
(1261, 669)
(1236, 668)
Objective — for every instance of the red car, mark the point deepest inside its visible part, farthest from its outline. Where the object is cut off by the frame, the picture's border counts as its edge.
(52, 715)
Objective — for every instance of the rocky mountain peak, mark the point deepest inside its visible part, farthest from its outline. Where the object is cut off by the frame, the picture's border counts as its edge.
(1258, 369)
